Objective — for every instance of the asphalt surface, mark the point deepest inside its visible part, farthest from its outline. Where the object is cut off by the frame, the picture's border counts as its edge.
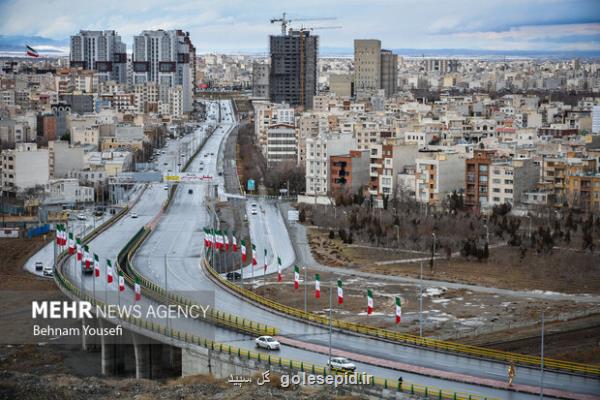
(177, 247)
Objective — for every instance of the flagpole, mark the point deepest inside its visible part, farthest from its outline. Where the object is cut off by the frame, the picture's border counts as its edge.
(166, 285)
(305, 288)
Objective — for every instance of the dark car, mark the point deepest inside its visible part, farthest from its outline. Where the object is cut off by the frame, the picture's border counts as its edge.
(234, 276)
(190, 191)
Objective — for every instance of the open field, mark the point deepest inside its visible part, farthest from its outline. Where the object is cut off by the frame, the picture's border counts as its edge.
(568, 271)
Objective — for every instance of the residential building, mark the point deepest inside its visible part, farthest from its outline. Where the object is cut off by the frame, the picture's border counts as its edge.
(64, 158)
(367, 64)
(24, 167)
(510, 179)
(101, 51)
(349, 173)
(596, 119)
(319, 150)
(341, 84)
(389, 72)
(437, 175)
(476, 180)
(282, 145)
(163, 57)
(68, 191)
(583, 191)
(293, 73)
(260, 80)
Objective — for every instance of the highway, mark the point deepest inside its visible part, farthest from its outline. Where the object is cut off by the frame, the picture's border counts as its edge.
(176, 246)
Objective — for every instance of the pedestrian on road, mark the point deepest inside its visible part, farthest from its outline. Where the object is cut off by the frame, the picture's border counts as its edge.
(511, 373)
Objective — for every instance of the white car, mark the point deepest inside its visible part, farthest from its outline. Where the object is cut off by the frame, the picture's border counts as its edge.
(134, 215)
(341, 364)
(81, 217)
(254, 212)
(166, 187)
(48, 270)
(267, 342)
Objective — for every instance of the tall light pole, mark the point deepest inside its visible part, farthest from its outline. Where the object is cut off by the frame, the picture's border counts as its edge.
(330, 317)
(421, 302)
(542, 360)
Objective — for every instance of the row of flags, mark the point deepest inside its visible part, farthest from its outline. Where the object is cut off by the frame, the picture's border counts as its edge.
(84, 256)
(220, 240)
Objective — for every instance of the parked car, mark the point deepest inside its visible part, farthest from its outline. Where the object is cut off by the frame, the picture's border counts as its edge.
(267, 342)
(81, 217)
(39, 265)
(166, 187)
(341, 364)
(234, 276)
(190, 191)
(48, 270)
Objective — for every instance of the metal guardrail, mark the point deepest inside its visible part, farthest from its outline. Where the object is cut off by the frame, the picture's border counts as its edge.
(152, 290)
(293, 365)
(386, 334)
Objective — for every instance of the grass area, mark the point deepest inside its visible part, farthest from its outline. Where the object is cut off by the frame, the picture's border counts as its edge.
(334, 252)
(563, 271)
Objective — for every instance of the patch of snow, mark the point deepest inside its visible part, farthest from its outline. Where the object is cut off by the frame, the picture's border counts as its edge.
(440, 301)
(433, 291)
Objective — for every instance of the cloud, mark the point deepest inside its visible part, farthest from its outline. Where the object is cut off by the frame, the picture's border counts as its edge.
(231, 24)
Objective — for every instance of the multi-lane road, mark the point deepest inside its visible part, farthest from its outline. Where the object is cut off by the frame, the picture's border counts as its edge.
(171, 257)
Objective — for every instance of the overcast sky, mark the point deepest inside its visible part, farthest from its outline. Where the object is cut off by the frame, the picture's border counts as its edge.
(230, 25)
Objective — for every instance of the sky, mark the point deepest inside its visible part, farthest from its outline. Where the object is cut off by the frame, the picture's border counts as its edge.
(242, 25)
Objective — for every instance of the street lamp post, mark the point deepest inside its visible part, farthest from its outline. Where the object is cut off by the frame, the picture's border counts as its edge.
(421, 302)
(542, 360)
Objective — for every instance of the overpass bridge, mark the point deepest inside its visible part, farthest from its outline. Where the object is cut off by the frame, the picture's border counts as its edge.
(162, 250)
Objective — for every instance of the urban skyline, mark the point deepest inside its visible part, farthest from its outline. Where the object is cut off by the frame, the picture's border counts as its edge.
(515, 26)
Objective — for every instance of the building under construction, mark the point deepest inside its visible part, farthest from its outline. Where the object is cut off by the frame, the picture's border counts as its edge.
(293, 75)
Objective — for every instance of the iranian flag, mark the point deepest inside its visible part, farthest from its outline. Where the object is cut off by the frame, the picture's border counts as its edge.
(279, 276)
(317, 286)
(109, 271)
(63, 235)
(79, 250)
(138, 289)
(234, 242)
(296, 277)
(254, 262)
(71, 244)
(398, 310)
(31, 52)
(265, 262)
(369, 302)
(244, 256)
(226, 240)
(219, 240)
(61, 238)
(121, 281)
(206, 238)
(340, 292)
(87, 258)
(96, 265)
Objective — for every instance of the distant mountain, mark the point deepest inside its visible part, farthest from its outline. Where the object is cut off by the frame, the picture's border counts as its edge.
(43, 45)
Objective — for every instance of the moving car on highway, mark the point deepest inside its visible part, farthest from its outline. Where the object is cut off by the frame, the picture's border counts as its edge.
(341, 364)
(267, 342)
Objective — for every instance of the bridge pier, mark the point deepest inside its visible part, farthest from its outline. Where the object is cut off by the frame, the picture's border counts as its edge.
(148, 357)
(113, 356)
(89, 343)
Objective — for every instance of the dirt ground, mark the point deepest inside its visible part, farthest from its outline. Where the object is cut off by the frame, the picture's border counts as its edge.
(16, 385)
(566, 271)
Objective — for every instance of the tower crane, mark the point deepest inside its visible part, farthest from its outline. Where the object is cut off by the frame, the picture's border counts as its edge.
(285, 21)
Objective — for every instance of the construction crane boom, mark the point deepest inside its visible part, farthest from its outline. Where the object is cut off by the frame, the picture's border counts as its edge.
(285, 21)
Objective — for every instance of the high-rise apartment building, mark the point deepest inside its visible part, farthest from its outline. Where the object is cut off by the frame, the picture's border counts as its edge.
(389, 72)
(101, 51)
(367, 64)
(441, 66)
(374, 68)
(293, 74)
(164, 57)
(260, 80)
